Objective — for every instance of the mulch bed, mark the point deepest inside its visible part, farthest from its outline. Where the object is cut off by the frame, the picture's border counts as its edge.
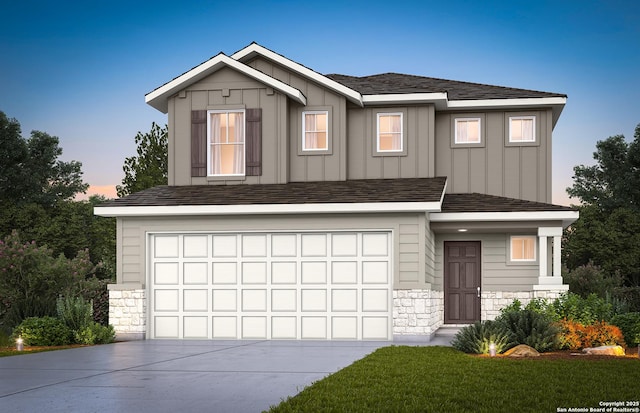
(630, 353)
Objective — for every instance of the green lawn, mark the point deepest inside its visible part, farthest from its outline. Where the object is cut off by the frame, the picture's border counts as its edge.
(441, 379)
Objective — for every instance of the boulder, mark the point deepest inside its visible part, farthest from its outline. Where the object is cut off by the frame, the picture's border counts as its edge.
(604, 351)
(522, 350)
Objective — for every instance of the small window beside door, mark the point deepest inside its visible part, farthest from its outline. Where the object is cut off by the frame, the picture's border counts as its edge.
(523, 248)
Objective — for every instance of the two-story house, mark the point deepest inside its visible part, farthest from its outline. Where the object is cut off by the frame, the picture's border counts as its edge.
(333, 207)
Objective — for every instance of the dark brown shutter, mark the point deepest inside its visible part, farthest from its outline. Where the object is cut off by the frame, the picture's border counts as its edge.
(199, 143)
(253, 138)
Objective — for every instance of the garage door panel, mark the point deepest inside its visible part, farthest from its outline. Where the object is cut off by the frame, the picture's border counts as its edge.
(254, 327)
(314, 272)
(195, 273)
(166, 327)
(254, 300)
(195, 300)
(284, 327)
(195, 327)
(224, 300)
(224, 273)
(254, 273)
(195, 246)
(313, 285)
(224, 327)
(344, 328)
(225, 246)
(284, 300)
(166, 273)
(314, 328)
(166, 300)
(284, 273)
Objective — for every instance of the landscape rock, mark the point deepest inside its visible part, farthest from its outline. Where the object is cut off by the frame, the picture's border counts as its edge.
(604, 351)
(522, 350)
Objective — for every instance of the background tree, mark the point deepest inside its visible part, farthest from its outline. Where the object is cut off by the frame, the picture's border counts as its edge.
(30, 171)
(608, 231)
(149, 168)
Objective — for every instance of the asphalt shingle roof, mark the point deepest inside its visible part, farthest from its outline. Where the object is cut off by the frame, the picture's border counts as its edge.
(475, 202)
(387, 83)
(354, 191)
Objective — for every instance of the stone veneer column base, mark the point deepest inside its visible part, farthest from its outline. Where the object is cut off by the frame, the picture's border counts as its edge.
(127, 313)
(494, 301)
(417, 314)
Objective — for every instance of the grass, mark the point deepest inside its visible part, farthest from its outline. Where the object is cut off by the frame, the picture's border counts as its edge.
(441, 379)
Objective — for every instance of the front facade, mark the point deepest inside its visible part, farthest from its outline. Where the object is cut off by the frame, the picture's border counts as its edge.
(331, 207)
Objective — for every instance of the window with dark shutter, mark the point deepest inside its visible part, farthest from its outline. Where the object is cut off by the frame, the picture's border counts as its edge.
(253, 139)
(199, 143)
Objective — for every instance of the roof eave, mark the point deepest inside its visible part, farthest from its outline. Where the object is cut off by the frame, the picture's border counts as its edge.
(255, 49)
(160, 96)
(556, 103)
(567, 217)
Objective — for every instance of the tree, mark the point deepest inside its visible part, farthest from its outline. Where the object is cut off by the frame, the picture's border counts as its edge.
(608, 231)
(30, 171)
(149, 168)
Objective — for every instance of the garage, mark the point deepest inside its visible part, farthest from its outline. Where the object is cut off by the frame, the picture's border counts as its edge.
(302, 285)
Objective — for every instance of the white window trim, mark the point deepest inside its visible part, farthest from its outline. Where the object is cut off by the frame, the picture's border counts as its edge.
(535, 248)
(304, 131)
(244, 142)
(378, 115)
(533, 134)
(468, 120)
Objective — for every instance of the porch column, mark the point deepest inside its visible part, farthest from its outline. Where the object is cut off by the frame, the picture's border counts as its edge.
(548, 281)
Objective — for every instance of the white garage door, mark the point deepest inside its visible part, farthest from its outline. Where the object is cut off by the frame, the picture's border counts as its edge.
(271, 286)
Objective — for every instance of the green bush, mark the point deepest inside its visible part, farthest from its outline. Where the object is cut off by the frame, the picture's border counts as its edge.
(476, 338)
(95, 333)
(587, 311)
(590, 279)
(631, 295)
(630, 325)
(75, 312)
(531, 328)
(43, 331)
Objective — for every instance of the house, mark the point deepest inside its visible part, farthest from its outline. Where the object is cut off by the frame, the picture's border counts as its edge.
(334, 207)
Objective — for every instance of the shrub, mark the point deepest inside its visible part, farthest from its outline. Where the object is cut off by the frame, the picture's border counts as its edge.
(476, 338)
(630, 325)
(585, 311)
(631, 295)
(95, 333)
(43, 331)
(531, 328)
(575, 335)
(95, 290)
(75, 312)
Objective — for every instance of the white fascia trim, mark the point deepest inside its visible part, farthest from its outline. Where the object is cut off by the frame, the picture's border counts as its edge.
(506, 103)
(158, 98)
(393, 98)
(189, 210)
(349, 93)
(567, 217)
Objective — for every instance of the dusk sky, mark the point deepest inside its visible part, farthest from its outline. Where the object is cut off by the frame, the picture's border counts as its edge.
(80, 70)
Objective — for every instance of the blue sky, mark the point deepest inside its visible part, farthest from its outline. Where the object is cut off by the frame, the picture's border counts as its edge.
(80, 71)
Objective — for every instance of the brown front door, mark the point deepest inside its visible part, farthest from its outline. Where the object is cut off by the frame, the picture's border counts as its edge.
(461, 282)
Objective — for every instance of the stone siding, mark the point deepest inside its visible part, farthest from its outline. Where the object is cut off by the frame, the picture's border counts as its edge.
(127, 314)
(493, 301)
(417, 312)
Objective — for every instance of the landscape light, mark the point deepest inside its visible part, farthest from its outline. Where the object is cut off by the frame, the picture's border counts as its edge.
(19, 344)
(492, 349)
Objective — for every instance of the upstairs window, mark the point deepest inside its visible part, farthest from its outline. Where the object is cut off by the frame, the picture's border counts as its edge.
(315, 135)
(226, 142)
(467, 130)
(389, 132)
(522, 129)
(523, 248)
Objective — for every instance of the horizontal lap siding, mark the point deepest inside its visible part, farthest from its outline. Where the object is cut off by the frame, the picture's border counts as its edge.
(497, 273)
(408, 237)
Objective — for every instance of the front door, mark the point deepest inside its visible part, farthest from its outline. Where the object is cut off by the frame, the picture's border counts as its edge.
(461, 282)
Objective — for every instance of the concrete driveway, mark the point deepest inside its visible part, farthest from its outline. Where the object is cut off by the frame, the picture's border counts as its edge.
(171, 376)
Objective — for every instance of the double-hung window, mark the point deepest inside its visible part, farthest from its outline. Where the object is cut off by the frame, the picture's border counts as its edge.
(226, 142)
(389, 134)
(523, 248)
(315, 135)
(522, 129)
(467, 130)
